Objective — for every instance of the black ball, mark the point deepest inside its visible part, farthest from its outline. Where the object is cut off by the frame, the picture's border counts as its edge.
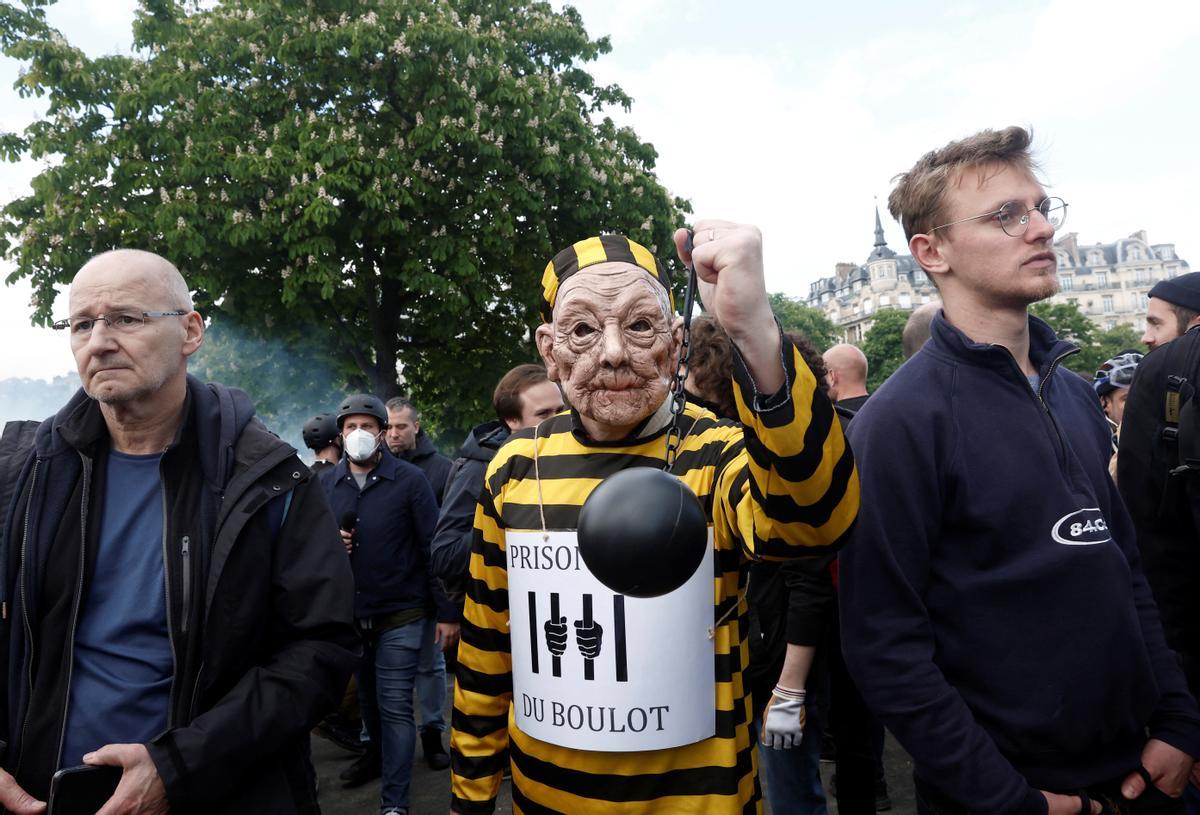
(642, 532)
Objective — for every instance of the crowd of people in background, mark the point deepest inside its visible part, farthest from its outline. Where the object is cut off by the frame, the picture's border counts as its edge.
(991, 557)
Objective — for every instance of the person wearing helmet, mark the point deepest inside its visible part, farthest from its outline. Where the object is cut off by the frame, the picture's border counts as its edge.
(1112, 384)
(321, 435)
(387, 513)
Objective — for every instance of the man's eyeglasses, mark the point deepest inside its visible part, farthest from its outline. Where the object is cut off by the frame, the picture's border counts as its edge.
(1014, 216)
(124, 321)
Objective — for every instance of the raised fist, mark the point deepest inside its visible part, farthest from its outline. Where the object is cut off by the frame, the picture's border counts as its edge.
(556, 636)
(588, 636)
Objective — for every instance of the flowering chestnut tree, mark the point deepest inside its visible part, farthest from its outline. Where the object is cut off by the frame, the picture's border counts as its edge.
(389, 176)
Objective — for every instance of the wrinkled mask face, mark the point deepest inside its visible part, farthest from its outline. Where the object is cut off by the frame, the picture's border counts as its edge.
(611, 345)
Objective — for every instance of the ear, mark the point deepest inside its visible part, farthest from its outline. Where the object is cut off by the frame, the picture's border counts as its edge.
(544, 337)
(928, 251)
(193, 336)
(513, 425)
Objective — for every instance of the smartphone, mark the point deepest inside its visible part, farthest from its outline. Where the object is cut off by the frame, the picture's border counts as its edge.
(82, 790)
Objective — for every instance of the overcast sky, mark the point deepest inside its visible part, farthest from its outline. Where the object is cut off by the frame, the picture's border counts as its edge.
(795, 117)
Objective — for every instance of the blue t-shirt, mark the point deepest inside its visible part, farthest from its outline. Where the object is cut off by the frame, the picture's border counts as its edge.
(121, 679)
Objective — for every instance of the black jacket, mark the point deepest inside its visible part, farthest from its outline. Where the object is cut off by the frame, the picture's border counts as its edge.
(433, 464)
(258, 604)
(450, 552)
(1165, 509)
(394, 513)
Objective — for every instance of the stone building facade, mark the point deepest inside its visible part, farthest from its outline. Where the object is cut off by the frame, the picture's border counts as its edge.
(1109, 281)
(854, 293)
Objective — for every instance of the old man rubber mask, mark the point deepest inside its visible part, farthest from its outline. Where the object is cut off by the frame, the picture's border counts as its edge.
(611, 345)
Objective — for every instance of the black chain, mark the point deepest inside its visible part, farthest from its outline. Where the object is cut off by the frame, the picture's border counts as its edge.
(678, 396)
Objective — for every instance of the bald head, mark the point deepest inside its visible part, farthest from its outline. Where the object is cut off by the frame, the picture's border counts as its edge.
(846, 371)
(918, 328)
(159, 280)
(139, 365)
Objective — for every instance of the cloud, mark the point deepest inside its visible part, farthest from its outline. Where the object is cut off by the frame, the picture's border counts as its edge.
(800, 143)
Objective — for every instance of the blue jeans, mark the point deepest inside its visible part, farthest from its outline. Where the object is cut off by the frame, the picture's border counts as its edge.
(386, 678)
(431, 680)
(793, 777)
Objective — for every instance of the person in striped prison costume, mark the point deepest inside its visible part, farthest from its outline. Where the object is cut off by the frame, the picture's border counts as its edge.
(782, 484)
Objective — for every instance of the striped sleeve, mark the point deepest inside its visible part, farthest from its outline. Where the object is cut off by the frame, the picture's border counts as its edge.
(797, 491)
(483, 691)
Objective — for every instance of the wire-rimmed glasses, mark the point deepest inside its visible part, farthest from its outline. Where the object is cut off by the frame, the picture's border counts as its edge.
(125, 322)
(1014, 216)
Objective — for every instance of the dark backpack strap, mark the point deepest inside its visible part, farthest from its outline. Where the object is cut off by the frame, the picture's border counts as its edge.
(1181, 388)
(1179, 382)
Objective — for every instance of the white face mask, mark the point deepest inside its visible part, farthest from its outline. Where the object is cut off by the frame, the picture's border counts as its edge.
(361, 445)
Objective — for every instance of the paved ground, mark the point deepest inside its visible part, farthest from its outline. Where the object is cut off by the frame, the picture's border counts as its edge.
(431, 790)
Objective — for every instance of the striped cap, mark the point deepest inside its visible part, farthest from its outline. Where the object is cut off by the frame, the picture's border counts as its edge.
(589, 252)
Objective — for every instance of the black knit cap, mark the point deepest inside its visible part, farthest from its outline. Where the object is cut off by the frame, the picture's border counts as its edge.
(1181, 291)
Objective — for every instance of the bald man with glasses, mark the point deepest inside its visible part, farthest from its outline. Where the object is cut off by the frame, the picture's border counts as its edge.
(176, 602)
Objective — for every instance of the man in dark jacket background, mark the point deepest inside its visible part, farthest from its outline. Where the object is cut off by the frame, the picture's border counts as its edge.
(524, 397)
(178, 604)
(387, 514)
(408, 442)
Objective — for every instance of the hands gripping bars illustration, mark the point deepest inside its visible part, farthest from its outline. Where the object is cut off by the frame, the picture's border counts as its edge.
(589, 636)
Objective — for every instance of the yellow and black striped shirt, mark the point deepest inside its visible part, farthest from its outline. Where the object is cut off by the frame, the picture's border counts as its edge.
(782, 484)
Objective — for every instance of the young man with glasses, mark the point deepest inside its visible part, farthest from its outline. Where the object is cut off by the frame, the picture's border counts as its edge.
(994, 614)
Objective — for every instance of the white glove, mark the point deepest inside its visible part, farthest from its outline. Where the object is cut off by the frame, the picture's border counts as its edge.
(783, 719)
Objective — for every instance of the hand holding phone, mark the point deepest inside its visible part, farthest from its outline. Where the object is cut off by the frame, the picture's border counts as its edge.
(139, 790)
(82, 790)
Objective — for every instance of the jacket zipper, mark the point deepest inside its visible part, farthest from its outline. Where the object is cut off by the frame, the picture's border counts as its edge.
(1041, 395)
(185, 552)
(83, 511)
(25, 605)
(167, 596)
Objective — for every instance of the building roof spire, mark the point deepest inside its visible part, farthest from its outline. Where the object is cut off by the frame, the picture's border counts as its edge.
(881, 250)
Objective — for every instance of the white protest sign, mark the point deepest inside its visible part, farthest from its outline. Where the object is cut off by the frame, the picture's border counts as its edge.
(594, 670)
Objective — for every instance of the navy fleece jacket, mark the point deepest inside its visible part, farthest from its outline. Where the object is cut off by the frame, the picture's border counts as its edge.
(994, 614)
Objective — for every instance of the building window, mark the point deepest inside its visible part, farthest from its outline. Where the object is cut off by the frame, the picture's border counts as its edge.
(1102, 280)
(1145, 302)
(884, 300)
(906, 301)
(1109, 325)
(1141, 276)
(1107, 302)
(868, 306)
(1068, 282)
